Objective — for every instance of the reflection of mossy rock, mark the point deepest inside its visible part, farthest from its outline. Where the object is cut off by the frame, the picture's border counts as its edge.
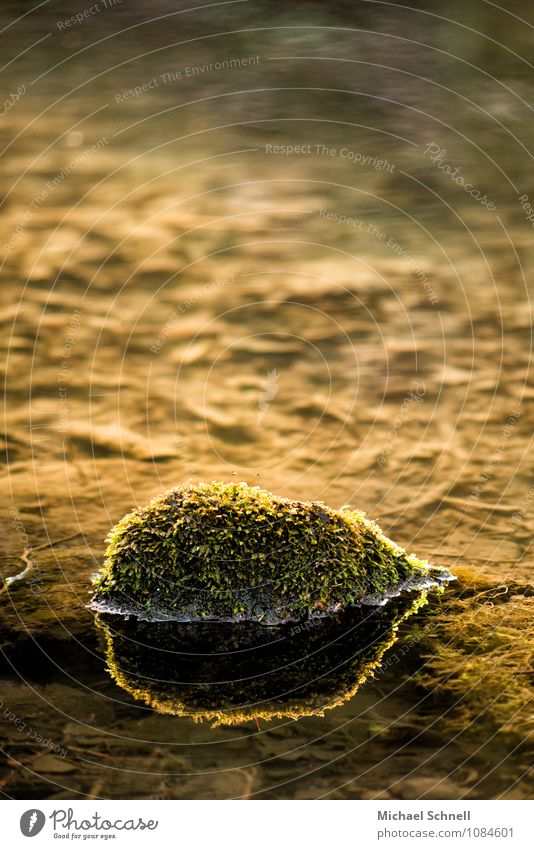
(231, 551)
(233, 672)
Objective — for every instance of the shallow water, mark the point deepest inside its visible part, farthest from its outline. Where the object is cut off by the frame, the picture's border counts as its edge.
(229, 673)
(181, 299)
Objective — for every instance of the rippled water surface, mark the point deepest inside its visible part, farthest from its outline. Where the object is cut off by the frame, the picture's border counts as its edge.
(236, 246)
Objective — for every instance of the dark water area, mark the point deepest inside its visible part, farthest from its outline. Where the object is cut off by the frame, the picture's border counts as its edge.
(239, 671)
(290, 245)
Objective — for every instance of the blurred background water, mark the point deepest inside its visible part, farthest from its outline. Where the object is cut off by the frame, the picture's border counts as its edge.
(236, 244)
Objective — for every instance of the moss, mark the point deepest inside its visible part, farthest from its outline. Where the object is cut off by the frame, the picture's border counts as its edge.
(229, 673)
(232, 551)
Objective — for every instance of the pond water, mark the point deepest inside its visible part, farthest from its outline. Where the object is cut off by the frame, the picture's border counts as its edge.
(288, 245)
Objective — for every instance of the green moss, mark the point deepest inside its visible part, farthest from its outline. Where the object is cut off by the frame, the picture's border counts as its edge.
(232, 551)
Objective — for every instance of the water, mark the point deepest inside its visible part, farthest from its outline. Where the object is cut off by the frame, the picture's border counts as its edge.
(267, 271)
(233, 673)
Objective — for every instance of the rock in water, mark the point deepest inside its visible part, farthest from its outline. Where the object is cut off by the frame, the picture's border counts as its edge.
(229, 551)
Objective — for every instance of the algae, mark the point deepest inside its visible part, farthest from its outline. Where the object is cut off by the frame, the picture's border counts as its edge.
(479, 657)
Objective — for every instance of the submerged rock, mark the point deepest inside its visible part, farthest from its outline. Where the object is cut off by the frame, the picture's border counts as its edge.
(229, 551)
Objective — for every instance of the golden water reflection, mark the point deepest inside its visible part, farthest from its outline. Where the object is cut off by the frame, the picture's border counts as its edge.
(233, 672)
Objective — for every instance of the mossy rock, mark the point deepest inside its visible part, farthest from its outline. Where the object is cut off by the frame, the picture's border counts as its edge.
(229, 551)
